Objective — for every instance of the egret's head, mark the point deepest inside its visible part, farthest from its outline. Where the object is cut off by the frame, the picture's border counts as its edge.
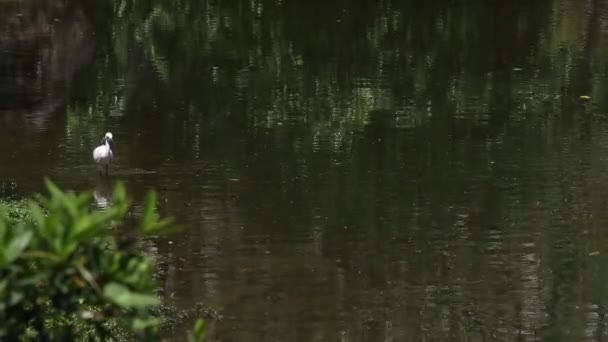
(108, 139)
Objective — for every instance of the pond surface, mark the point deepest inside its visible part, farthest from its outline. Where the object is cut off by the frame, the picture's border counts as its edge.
(378, 171)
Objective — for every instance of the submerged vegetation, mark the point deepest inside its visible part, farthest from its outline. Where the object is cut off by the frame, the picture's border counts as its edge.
(70, 273)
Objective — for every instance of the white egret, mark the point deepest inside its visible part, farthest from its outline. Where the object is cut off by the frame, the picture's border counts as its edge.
(103, 153)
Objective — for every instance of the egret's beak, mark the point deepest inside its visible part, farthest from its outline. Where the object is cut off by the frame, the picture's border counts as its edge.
(110, 142)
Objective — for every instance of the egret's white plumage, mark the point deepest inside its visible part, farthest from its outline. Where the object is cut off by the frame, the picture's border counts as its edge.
(103, 153)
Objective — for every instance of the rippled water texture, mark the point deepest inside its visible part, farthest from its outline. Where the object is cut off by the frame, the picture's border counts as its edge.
(353, 171)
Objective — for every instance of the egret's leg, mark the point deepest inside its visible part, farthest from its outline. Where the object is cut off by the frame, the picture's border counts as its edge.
(107, 170)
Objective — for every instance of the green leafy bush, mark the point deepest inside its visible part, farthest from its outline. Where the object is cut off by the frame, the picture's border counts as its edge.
(14, 212)
(65, 276)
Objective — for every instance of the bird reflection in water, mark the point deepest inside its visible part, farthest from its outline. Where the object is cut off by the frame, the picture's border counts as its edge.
(102, 194)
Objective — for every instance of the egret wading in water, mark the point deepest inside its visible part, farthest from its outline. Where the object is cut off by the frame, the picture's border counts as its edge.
(103, 153)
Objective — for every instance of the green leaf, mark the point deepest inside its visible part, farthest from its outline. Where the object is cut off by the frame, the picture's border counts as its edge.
(52, 188)
(83, 200)
(149, 220)
(119, 199)
(15, 298)
(36, 213)
(88, 226)
(86, 274)
(144, 323)
(122, 296)
(199, 331)
(17, 245)
(33, 280)
(156, 227)
(148, 213)
(120, 194)
(2, 225)
(65, 201)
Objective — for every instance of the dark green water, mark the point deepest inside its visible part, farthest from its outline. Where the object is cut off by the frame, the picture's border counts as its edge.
(345, 171)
